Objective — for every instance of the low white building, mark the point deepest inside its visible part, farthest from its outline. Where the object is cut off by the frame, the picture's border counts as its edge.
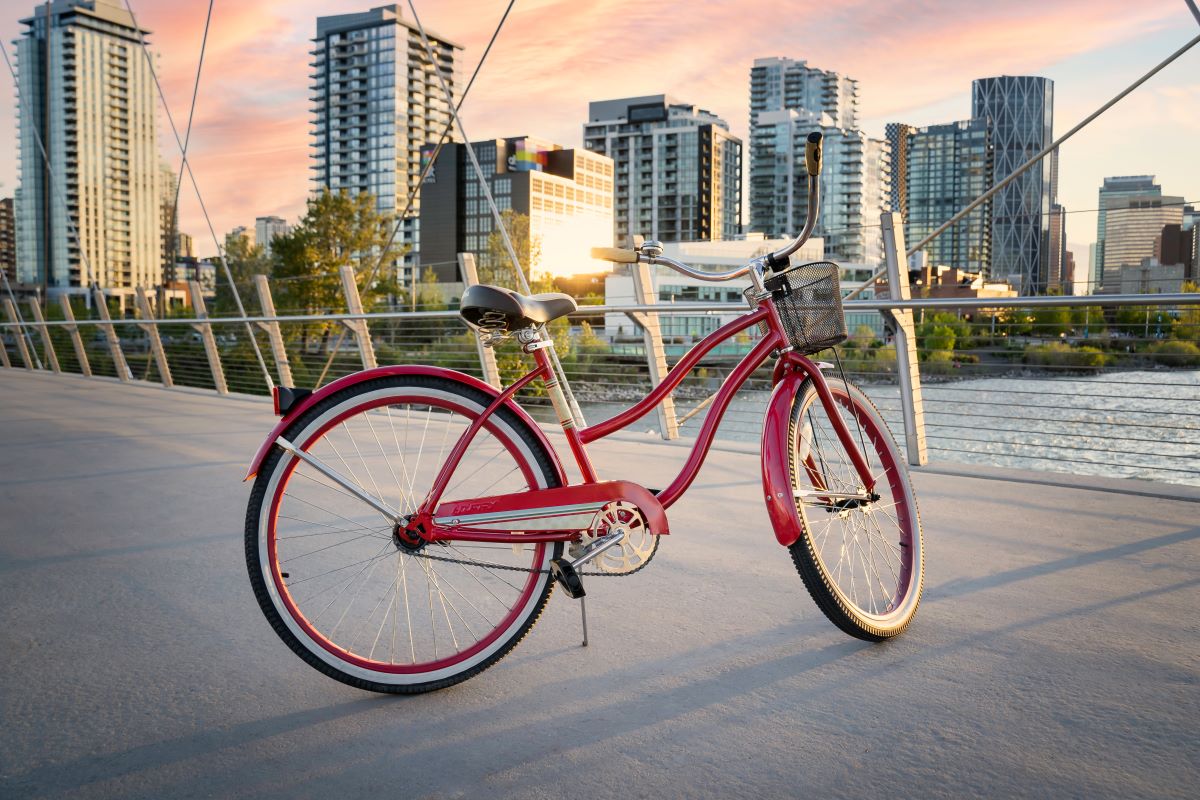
(673, 288)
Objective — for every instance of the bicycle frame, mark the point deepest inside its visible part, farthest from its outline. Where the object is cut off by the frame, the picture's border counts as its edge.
(437, 528)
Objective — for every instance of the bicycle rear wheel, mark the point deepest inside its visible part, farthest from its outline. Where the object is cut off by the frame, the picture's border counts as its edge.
(343, 590)
(862, 561)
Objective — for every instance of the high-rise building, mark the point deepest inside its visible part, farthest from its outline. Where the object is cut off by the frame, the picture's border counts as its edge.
(678, 168)
(1057, 250)
(788, 100)
(855, 183)
(267, 228)
(566, 193)
(1019, 112)
(8, 239)
(376, 99)
(185, 245)
(87, 92)
(1112, 191)
(1133, 226)
(240, 232)
(942, 169)
(167, 220)
(1174, 246)
(781, 83)
(898, 135)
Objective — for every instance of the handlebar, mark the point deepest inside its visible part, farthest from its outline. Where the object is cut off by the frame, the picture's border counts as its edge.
(651, 252)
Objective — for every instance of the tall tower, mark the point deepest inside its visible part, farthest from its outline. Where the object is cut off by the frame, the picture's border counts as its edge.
(376, 99)
(945, 167)
(678, 168)
(1019, 111)
(788, 100)
(86, 90)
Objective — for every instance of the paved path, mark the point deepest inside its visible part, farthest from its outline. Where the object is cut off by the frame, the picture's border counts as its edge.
(1056, 654)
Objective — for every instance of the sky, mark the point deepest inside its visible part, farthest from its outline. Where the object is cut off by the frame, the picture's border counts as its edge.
(914, 60)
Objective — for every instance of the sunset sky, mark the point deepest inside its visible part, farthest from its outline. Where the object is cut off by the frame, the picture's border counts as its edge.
(914, 60)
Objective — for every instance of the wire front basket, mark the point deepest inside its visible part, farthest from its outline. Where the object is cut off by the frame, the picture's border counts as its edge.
(809, 300)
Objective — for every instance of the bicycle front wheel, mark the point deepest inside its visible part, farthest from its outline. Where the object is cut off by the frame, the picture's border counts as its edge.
(338, 583)
(862, 560)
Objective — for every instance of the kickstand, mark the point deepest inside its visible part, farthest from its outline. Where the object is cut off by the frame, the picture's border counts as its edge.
(583, 612)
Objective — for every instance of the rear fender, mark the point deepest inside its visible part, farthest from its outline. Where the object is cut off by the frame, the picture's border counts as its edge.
(306, 403)
(777, 484)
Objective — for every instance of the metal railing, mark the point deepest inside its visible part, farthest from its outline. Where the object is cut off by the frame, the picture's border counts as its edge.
(1098, 385)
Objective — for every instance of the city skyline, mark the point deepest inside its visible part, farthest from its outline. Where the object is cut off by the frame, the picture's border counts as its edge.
(251, 135)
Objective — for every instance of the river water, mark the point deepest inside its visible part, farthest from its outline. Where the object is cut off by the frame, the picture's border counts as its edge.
(1139, 424)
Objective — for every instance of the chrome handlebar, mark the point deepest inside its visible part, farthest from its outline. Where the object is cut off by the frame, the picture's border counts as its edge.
(651, 252)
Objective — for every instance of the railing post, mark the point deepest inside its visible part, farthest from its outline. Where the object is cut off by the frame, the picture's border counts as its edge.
(156, 347)
(656, 356)
(274, 336)
(114, 344)
(907, 365)
(204, 328)
(20, 334)
(80, 353)
(358, 327)
(487, 357)
(47, 344)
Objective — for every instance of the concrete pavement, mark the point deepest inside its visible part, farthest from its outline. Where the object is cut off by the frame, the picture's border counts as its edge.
(1055, 655)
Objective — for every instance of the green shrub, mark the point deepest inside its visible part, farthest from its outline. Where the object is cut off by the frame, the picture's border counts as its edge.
(1059, 354)
(1176, 353)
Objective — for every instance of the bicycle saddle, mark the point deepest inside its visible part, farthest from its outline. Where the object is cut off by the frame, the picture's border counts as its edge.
(498, 309)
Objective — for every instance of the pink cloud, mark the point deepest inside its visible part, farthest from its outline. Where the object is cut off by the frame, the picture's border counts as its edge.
(251, 131)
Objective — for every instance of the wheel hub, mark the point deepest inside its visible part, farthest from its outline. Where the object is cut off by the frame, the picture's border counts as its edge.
(407, 537)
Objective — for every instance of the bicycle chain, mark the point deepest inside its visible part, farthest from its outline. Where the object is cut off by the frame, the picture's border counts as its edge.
(489, 565)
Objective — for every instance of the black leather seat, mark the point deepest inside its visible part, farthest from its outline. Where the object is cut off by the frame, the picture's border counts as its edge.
(495, 308)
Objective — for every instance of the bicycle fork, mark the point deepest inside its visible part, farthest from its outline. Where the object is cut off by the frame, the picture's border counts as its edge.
(790, 374)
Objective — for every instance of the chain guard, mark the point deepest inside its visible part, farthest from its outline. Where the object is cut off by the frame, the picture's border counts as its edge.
(636, 549)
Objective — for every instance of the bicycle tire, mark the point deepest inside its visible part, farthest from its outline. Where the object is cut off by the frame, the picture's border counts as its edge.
(352, 411)
(819, 461)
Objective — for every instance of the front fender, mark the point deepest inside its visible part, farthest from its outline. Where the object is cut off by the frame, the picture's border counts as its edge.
(777, 483)
(383, 372)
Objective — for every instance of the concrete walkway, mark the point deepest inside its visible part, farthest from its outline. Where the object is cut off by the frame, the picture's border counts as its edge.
(1056, 653)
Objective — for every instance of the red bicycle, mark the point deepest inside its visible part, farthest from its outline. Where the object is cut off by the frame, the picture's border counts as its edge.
(407, 524)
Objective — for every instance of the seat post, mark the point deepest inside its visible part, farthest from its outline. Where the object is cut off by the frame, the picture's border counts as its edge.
(540, 344)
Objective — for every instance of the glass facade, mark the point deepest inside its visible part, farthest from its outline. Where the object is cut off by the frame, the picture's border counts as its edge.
(947, 167)
(89, 210)
(376, 100)
(1019, 111)
(678, 169)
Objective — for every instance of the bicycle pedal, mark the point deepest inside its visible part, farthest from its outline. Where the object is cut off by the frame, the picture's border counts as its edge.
(568, 578)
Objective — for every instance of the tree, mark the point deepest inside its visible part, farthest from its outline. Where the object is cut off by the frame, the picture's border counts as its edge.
(1051, 321)
(337, 230)
(245, 260)
(497, 267)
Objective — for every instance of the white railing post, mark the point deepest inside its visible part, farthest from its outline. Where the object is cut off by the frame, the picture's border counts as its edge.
(487, 357)
(204, 328)
(47, 344)
(19, 334)
(156, 347)
(76, 340)
(114, 343)
(358, 327)
(907, 365)
(274, 336)
(656, 355)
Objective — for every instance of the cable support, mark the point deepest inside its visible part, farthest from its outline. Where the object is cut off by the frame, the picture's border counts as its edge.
(185, 164)
(1029, 431)
(1069, 460)
(1032, 161)
(412, 193)
(1039, 445)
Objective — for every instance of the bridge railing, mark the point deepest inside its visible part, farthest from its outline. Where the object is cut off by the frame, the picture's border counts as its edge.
(1103, 385)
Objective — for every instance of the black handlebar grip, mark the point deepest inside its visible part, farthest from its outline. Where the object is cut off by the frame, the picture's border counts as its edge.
(812, 154)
